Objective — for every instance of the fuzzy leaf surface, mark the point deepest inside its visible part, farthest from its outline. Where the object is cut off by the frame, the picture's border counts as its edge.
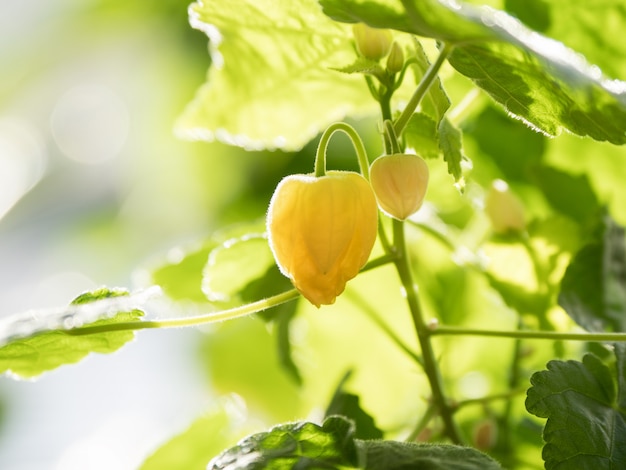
(586, 427)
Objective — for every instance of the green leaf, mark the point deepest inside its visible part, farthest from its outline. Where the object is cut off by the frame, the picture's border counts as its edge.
(537, 79)
(549, 93)
(37, 343)
(451, 144)
(271, 84)
(347, 404)
(428, 18)
(436, 102)
(393, 455)
(586, 427)
(363, 65)
(234, 264)
(199, 443)
(181, 273)
(593, 289)
(421, 134)
(300, 445)
(305, 445)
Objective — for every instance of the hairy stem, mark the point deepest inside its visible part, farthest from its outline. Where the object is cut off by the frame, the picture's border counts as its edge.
(430, 364)
(213, 317)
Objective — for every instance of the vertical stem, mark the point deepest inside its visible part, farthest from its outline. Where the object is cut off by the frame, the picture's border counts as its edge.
(422, 88)
(431, 367)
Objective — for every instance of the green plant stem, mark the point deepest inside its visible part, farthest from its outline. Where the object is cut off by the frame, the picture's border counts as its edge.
(431, 366)
(422, 88)
(527, 334)
(391, 135)
(357, 143)
(488, 399)
(213, 317)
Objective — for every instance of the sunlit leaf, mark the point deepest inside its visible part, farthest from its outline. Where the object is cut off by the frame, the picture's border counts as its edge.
(451, 144)
(181, 273)
(586, 427)
(593, 290)
(332, 445)
(299, 445)
(536, 79)
(421, 134)
(36, 343)
(271, 83)
(234, 264)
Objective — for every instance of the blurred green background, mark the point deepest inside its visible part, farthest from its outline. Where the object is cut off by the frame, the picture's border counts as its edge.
(93, 183)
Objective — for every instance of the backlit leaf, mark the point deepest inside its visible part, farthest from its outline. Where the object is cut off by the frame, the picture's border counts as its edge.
(272, 83)
(537, 79)
(36, 343)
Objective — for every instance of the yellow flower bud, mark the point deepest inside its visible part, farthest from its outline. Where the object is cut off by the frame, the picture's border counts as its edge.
(322, 231)
(399, 182)
(372, 43)
(505, 211)
(395, 61)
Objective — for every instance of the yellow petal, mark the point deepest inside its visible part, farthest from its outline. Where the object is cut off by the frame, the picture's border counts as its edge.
(321, 231)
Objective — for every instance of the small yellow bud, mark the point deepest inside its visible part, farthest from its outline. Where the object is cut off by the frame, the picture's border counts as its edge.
(395, 60)
(321, 231)
(399, 182)
(372, 43)
(504, 209)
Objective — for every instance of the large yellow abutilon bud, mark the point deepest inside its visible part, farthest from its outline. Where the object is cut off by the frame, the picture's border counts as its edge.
(400, 182)
(322, 230)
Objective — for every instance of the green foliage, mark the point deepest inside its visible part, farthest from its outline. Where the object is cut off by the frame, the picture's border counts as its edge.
(535, 78)
(333, 445)
(283, 71)
(299, 445)
(593, 290)
(273, 61)
(586, 421)
(41, 346)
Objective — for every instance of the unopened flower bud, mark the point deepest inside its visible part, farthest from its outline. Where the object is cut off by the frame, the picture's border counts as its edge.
(395, 60)
(372, 43)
